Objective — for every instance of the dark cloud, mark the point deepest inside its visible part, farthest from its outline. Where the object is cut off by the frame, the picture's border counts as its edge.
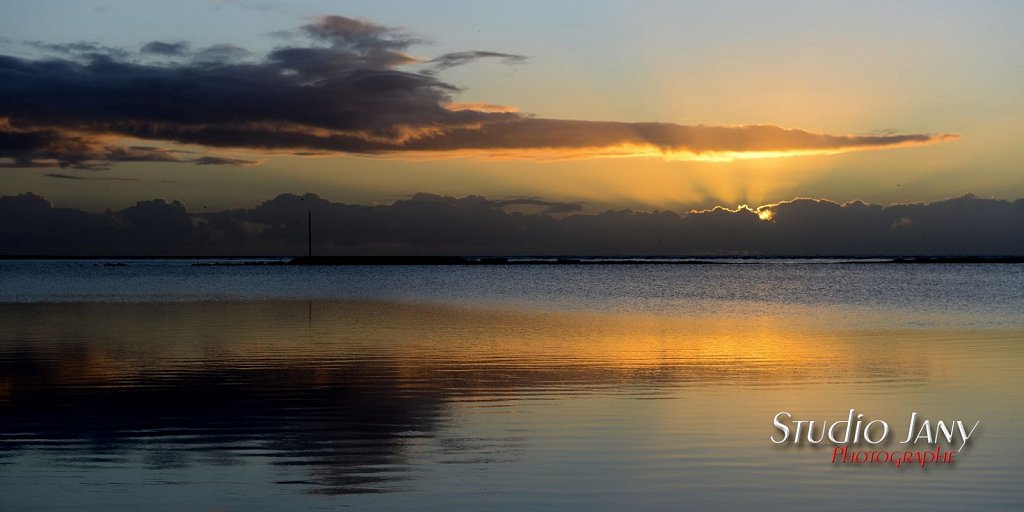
(450, 60)
(549, 207)
(167, 49)
(81, 49)
(50, 147)
(359, 35)
(220, 54)
(604, 137)
(60, 176)
(158, 222)
(29, 224)
(474, 225)
(340, 88)
(216, 160)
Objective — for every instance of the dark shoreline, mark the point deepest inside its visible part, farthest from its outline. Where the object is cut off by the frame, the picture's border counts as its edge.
(531, 260)
(458, 260)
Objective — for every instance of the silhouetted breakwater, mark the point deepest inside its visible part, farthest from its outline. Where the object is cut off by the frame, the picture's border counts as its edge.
(417, 260)
(525, 260)
(460, 260)
(961, 259)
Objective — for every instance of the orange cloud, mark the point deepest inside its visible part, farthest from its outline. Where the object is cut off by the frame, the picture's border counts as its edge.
(457, 106)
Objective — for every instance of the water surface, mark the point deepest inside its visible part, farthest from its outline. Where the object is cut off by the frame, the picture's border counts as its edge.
(163, 386)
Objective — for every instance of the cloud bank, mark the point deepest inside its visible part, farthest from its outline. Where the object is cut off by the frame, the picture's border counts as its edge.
(50, 147)
(339, 85)
(427, 224)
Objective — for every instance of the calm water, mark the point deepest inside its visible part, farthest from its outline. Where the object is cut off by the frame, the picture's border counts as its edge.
(163, 386)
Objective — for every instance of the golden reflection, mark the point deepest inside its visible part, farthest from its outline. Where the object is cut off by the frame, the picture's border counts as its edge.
(445, 346)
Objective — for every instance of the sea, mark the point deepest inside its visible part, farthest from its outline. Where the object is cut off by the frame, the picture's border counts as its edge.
(207, 385)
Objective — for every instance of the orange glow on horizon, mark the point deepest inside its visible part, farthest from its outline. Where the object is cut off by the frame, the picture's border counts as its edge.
(640, 151)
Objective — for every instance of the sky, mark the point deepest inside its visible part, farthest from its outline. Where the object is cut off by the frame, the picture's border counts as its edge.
(641, 105)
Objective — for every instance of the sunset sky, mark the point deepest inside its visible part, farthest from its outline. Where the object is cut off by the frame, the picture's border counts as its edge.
(643, 105)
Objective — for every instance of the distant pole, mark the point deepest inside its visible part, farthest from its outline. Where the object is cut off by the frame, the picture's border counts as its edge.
(309, 239)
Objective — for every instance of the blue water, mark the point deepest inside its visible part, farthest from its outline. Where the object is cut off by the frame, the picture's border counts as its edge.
(160, 385)
(963, 294)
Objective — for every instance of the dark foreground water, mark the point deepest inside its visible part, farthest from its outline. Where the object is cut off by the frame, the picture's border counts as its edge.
(163, 386)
